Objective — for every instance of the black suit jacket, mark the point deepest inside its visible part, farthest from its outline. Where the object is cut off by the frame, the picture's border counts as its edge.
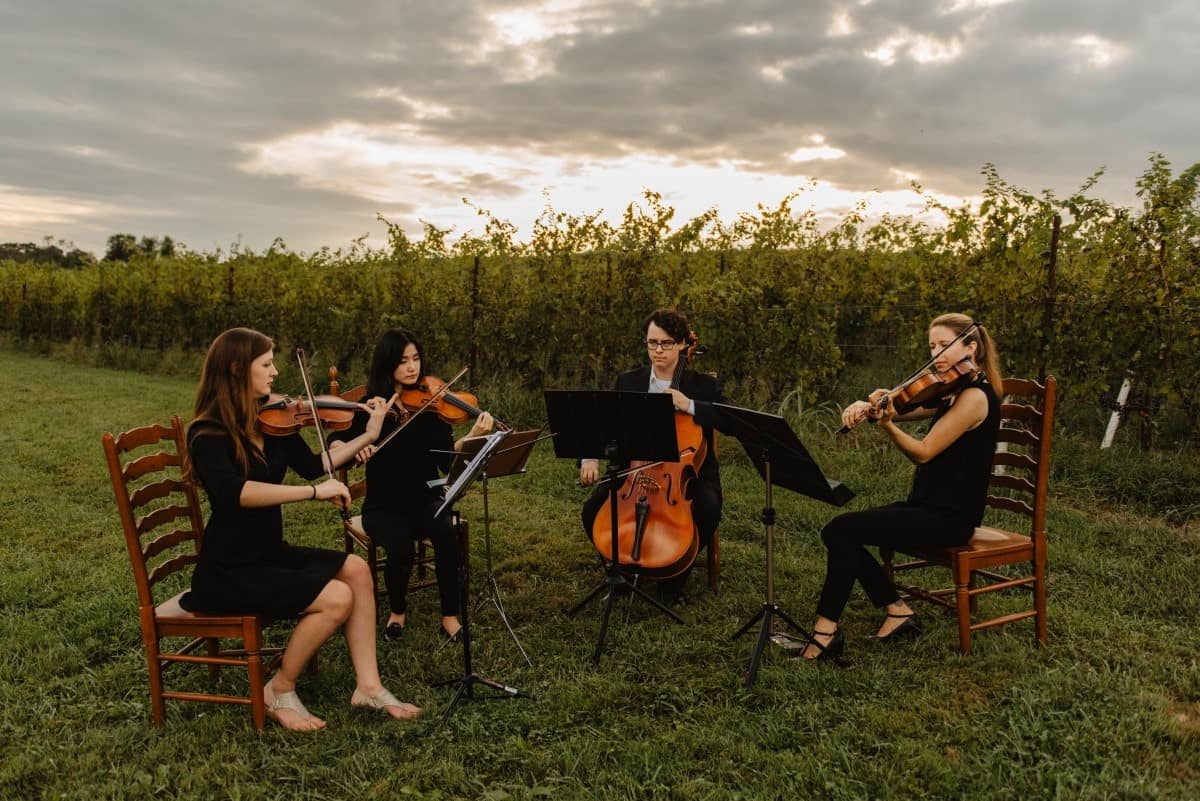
(704, 390)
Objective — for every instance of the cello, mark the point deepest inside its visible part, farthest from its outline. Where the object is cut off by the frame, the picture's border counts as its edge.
(656, 535)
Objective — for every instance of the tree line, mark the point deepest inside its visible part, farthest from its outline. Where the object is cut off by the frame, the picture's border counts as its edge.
(785, 302)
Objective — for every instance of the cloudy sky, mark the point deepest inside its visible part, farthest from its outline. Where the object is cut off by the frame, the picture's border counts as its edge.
(215, 121)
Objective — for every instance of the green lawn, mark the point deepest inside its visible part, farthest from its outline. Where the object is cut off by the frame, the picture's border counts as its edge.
(1111, 709)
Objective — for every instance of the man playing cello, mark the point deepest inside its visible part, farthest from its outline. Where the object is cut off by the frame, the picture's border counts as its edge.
(666, 336)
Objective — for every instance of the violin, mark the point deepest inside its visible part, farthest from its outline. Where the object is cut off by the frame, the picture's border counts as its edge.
(927, 389)
(433, 394)
(281, 415)
(656, 534)
(452, 407)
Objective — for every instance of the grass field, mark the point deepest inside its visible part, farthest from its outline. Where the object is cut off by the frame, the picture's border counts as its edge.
(1110, 710)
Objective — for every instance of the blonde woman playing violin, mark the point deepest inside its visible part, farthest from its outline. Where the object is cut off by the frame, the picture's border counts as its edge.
(945, 504)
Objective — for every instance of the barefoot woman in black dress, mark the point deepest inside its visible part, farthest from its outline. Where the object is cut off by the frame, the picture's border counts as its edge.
(244, 564)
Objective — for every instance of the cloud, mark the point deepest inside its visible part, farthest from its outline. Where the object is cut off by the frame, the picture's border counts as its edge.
(301, 119)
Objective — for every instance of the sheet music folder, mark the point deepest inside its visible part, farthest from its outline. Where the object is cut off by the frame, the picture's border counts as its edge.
(586, 423)
(504, 461)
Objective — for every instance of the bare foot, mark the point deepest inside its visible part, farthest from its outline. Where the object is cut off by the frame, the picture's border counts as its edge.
(286, 710)
(382, 699)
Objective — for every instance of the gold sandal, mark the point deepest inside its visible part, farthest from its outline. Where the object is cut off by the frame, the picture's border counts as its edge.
(382, 700)
(290, 701)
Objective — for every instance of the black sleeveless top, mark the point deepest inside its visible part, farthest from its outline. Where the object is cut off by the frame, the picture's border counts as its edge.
(956, 480)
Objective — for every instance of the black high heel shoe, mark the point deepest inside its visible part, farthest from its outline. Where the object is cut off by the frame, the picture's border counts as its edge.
(829, 651)
(911, 627)
(455, 637)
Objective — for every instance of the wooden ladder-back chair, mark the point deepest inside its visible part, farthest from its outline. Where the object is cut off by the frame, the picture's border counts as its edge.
(1023, 479)
(153, 496)
(355, 534)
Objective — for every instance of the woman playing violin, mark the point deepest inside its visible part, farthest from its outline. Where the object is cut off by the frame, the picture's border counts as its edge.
(666, 334)
(244, 564)
(399, 508)
(946, 502)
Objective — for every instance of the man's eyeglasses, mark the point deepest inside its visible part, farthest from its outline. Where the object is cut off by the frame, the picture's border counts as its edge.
(660, 344)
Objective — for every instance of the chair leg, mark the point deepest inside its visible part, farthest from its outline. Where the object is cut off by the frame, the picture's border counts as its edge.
(1039, 597)
(150, 640)
(962, 605)
(254, 667)
(887, 557)
(971, 584)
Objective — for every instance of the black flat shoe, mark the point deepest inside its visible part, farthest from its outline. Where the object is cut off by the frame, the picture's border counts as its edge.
(393, 632)
(825, 653)
(911, 627)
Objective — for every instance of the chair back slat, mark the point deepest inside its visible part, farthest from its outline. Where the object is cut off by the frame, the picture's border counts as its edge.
(1015, 483)
(141, 437)
(1018, 436)
(171, 566)
(150, 463)
(1010, 505)
(166, 542)
(1019, 460)
(161, 515)
(1024, 412)
(1023, 387)
(154, 492)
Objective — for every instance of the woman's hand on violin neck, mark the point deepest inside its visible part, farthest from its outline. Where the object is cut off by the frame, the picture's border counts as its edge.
(378, 408)
(335, 492)
(483, 425)
(855, 413)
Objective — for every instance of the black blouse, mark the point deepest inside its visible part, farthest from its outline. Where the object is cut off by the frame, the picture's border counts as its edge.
(398, 473)
(956, 480)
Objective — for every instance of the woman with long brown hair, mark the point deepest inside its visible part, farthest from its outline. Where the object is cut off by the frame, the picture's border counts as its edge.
(954, 466)
(245, 565)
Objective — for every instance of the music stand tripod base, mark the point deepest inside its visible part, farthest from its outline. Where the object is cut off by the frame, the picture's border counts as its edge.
(782, 459)
(467, 682)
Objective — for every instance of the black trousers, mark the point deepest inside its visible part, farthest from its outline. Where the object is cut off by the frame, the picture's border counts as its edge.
(896, 526)
(706, 501)
(398, 531)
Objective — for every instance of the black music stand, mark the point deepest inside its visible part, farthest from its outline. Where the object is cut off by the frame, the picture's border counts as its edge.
(623, 426)
(507, 461)
(781, 459)
(455, 489)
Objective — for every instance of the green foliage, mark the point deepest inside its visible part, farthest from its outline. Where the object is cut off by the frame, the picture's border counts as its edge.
(784, 302)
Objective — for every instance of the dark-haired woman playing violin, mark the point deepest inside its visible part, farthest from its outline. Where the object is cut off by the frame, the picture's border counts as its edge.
(954, 465)
(399, 507)
(244, 564)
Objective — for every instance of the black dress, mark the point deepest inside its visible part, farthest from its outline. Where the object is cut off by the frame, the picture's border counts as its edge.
(245, 565)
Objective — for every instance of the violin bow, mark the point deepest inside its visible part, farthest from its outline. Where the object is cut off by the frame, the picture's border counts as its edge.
(974, 324)
(312, 402)
(427, 404)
